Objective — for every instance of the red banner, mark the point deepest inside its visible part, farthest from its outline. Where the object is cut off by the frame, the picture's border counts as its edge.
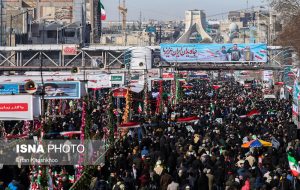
(13, 107)
(69, 50)
(121, 92)
(168, 75)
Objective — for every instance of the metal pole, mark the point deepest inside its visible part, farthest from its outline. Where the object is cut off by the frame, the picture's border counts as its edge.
(30, 30)
(57, 35)
(244, 35)
(44, 32)
(43, 86)
(1, 23)
(81, 32)
(10, 29)
(159, 34)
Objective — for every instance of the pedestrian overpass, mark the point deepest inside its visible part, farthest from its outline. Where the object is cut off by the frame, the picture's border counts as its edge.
(55, 57)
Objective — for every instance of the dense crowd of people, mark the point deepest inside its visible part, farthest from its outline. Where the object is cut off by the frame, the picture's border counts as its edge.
(207, 154)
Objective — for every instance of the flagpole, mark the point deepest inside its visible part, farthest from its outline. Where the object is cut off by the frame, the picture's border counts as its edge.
(100, 21)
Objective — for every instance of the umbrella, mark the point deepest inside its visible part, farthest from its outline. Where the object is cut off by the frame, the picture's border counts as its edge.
(256, 143)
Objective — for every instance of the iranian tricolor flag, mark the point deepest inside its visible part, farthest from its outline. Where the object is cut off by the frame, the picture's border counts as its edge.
(102, 10)
(129, 125)
(251, 113)
(140, 109)
(294, 166)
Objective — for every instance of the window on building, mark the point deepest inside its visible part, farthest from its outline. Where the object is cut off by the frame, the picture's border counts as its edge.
(51, 34)
(69, 33)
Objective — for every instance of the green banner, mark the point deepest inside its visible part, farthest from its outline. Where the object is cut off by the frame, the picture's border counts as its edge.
(116, 78)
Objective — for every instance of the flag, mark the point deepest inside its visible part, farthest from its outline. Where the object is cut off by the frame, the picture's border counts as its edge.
(271, 112)
(212, 110)
(140, 110)
(187, 119)
(102, 11)
(216, 87)
(251, 113)
(71, 178)
(70, 133)
(130, 125)
(294, 166)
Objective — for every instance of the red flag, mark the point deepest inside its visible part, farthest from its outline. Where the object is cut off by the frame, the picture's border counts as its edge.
(216, 87)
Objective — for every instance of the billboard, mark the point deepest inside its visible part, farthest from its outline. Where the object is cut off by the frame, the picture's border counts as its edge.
(16, 107)
(7, 89)
(99, 81)
(61, 90)
(286, 78)
(53, 90)
(295, 108)
(214, 52)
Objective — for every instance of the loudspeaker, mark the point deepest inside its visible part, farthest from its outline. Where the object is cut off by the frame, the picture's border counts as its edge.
(75, 70)
(172, 64)
(30, 87)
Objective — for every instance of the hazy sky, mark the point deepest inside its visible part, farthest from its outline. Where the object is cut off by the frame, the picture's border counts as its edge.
(174, 9)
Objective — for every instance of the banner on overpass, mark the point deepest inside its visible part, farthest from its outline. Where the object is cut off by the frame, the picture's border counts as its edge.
(225, 53)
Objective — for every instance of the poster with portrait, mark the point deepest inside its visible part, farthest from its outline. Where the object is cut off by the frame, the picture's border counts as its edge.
(61, 90)
(225, 53)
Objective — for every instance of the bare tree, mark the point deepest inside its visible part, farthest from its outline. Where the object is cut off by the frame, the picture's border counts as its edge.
(286, 8)
(290, 34)
(289, 12)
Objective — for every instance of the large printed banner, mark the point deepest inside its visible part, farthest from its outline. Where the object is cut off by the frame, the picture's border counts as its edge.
(214, 52)
(296, 92)
(295, 108)
(53, 90)
(61, 90)
(8, 89)
(16, 107)
(99, 81)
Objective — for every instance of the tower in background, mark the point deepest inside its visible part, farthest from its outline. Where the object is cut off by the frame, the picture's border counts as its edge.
(195, 26)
